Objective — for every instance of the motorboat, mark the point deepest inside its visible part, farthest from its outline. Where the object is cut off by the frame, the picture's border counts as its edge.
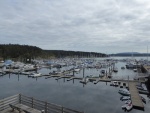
(26, 73)
(123, 98)
(124, 92)
(126, 104)
(55, 73)
(115, 69)
(129, 106)
(140, 87)
(69, 75)
(135, 70)
(76, 69)
(132, 65)
(122, 67)
(114, 83)
(103, 71)
(109, 76)
(101, 75)
(35, 75)
(128, 101)
(85, 80)
(143, 99)
(129, 65)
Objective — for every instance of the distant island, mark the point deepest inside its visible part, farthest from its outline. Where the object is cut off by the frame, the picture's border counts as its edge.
(16, 51)
(130, 54)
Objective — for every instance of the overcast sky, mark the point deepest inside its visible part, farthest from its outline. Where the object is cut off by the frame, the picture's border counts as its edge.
(107, 26)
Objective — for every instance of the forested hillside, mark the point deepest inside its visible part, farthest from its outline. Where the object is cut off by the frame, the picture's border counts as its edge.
(26, 51)
(19, 51)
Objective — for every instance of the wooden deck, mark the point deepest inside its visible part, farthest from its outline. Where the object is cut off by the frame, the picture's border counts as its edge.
(29, 104)
(135, 97)
(9, 110)
(27, 108)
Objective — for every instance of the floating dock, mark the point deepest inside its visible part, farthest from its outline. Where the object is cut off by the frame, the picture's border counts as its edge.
(135, 97)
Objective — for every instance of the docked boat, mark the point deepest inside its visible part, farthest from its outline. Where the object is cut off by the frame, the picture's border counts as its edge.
(76, 69)
(129, 107)
(26, 73)
(115, 69)
(69, 75)
(123, 98)
(109, 76)
(103, 71)
(114, 83)
(126, 104)
(55, 72)
(124, 92)
(140, 87)
(122, 67)
(131, 65)
(135, 70)
(35, 75)
(143, 99)
(128, 101)
(85, 80)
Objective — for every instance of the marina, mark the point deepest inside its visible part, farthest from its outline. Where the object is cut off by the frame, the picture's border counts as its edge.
(86, 77)
(74, 56)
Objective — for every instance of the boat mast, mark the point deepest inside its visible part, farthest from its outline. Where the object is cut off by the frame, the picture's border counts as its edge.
(147, 53)
(132, 56)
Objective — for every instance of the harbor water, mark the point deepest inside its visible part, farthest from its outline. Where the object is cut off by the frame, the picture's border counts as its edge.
(90, 98)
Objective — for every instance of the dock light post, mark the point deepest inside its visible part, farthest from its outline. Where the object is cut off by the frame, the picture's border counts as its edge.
(73, 81)
(83, 72)
(64, 79)
(73, 72)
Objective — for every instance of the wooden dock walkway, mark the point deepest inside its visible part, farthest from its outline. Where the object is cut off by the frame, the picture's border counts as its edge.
(59, 74)
(135, 97)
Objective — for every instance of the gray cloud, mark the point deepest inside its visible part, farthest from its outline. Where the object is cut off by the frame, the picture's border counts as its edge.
(83, 25)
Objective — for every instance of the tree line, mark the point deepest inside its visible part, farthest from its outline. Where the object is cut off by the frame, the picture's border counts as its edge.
(62, 53)
(19, 51)
(25, 51)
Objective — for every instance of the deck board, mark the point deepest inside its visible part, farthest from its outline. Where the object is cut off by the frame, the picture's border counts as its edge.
(27, 108)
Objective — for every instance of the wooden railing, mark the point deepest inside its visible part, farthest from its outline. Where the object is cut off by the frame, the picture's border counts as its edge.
(4, 103)
(34, 103)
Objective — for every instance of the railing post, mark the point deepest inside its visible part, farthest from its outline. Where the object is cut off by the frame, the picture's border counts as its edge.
(62, 109)
(45, 107)
(19, 98)
(32, 102)
(1, 104)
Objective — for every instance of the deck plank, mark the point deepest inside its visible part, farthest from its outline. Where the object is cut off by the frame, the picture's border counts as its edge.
(27, 108)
